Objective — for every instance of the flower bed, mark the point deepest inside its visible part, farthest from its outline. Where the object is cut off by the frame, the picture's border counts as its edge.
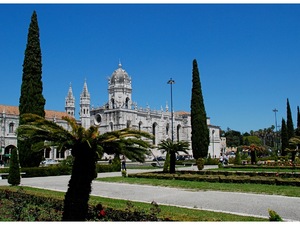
(23, 206)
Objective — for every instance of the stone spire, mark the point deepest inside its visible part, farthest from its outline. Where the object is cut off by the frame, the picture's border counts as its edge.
(70, 102)
(85, 103)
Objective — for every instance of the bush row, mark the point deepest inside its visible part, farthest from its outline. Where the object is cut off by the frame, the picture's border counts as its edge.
(29, 207)
(239, 173)
(262, 166)
(58, 170)
(220, 178)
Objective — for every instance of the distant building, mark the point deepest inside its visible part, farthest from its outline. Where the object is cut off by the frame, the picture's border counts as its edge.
(119, 112)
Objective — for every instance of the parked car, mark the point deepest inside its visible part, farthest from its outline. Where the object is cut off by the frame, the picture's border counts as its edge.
(159, 158)
(49, 162)
(184, 157)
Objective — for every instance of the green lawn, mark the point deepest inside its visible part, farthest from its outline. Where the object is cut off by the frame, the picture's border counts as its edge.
(172, 212)
(194, 185)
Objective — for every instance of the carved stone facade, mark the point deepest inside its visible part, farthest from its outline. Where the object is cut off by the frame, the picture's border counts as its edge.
(9, 122)
(119, 112)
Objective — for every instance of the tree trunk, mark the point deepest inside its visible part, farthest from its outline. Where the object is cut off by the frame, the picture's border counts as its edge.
(78, 193)
(172, 162)
(253, 157)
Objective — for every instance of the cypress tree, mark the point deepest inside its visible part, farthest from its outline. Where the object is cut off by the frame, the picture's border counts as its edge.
(284, 138)
(31, 98)
(297, 132)
(14, 177)
(289, 121)
(200, 132)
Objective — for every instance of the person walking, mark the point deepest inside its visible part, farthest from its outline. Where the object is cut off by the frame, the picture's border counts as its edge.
(123, 163)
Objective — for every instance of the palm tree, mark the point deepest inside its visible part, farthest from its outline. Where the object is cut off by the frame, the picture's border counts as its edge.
(86, 146)
(253, 150)
(172, 148)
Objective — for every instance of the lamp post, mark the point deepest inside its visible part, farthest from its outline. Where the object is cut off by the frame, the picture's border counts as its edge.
(171, 82)
(275, 111)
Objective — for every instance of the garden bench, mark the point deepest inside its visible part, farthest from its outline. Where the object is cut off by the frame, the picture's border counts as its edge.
(6, 174)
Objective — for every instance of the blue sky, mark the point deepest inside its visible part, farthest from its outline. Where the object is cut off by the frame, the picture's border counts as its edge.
(248, 55)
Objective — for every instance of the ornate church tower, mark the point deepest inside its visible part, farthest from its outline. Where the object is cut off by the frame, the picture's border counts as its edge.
(85, 101)
(119, 89)
(70, 103)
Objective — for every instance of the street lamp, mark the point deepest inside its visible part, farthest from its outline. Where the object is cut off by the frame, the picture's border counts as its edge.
(171, 82)
(275, 111)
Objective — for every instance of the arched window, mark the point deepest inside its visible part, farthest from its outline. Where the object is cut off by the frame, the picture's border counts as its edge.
(62, 154)
(113, 103)
(127, 103)
(140, 125)
(11, 127)
(57, 154)
(178, 132)
(154, 132)
(128, 123)
(111, 126)
(47, 153)
(167, 129)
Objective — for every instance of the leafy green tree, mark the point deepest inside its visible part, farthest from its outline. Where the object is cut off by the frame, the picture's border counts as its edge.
(86, 146)
(289, 121)
(173, 148)
(233, 138)
(200, 132)
(14, 177)
(246, 141)
(284, 138)
(31, 98)
(252, 140)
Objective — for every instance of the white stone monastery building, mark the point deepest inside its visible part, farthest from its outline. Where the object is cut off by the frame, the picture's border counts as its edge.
(119, 112)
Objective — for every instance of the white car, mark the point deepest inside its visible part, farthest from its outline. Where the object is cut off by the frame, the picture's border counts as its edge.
(49, 162)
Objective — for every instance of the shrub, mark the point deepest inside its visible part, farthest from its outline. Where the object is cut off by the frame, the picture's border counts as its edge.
(100, 168)
(200, 163)
(124, 173)
(116, 163)
(52, 170)
(211, 161)
(237, 160)
(273, 216)
(14, 177)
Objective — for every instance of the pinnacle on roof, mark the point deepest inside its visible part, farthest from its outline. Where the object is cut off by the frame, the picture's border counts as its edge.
(70, 92)
(85, 92)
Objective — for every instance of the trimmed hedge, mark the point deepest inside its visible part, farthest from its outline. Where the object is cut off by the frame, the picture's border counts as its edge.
(263, 166)
(208, 176)
(58, 170)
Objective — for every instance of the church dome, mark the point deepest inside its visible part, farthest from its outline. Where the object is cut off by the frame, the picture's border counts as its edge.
(120, 76)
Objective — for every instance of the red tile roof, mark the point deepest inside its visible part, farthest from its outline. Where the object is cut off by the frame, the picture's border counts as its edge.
(14, 110)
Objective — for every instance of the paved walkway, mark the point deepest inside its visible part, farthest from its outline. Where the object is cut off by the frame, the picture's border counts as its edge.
(230, 202)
